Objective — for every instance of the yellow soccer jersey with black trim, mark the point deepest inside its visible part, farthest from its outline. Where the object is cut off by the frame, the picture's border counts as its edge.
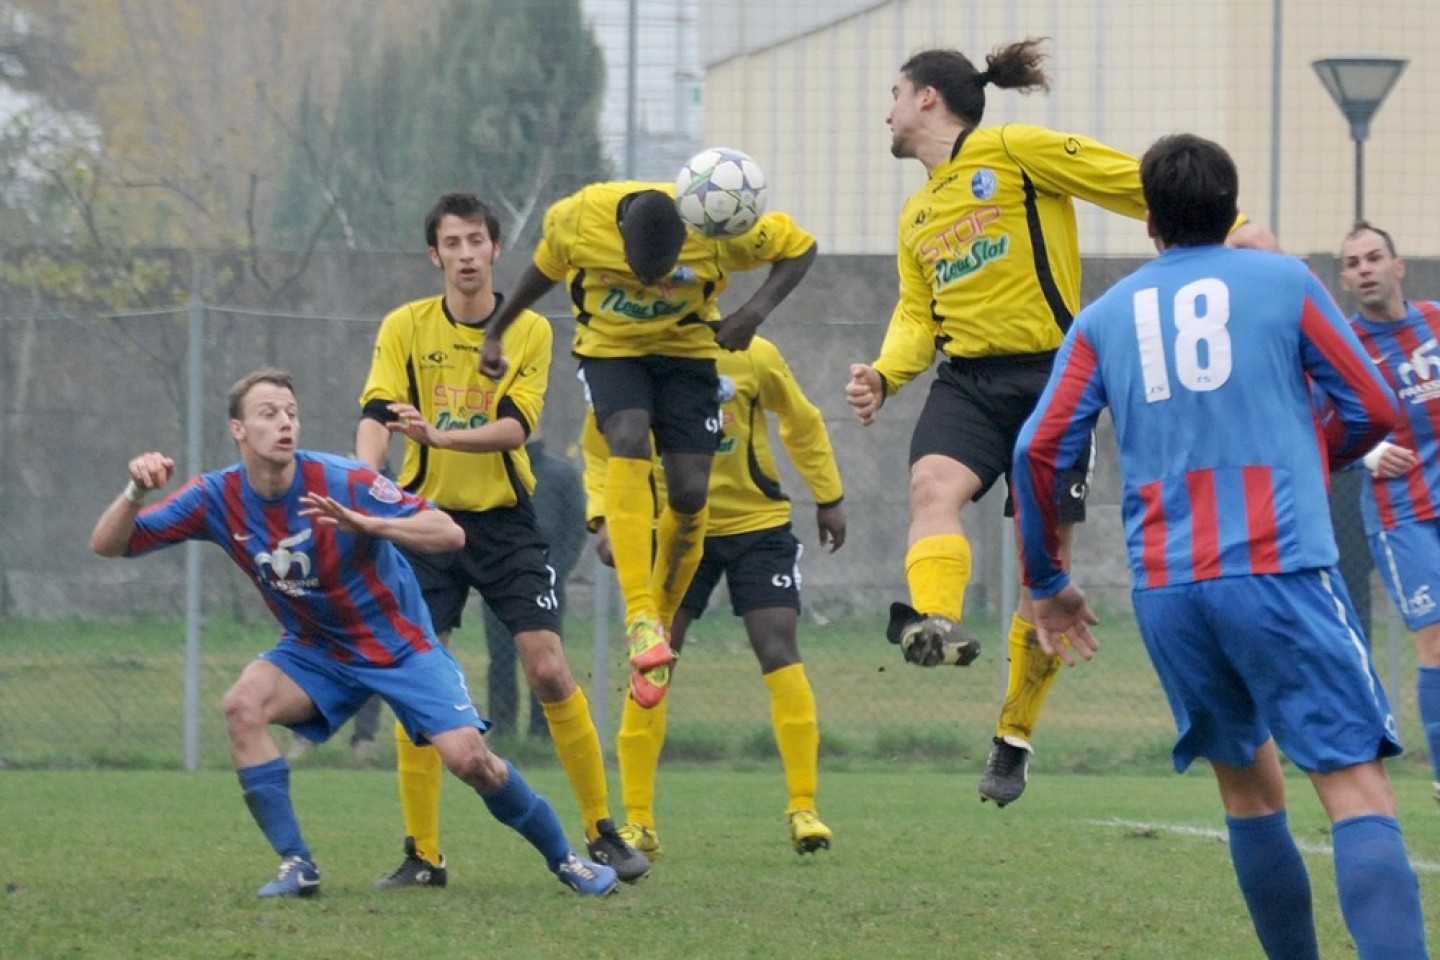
(616, 315)
(745, 493)
(425, 358)
(988, 256)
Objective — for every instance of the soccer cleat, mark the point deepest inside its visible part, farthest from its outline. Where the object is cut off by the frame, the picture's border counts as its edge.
(648, 646)
(807, 833)
(297, 877)
(930, 641)
(642, 838)
(1006, 771)
(610, 848)
(414, 872)
(586, 878)
(649, 687)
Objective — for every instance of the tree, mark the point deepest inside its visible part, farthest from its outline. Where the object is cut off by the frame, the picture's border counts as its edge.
(503, 100)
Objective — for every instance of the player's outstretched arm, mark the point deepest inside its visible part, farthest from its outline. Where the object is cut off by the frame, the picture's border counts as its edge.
(429, 531)
(532, 286)
(149, 471)
(738, 329)
(500, 434)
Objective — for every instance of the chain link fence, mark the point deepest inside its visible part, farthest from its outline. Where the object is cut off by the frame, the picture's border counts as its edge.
(95, 667)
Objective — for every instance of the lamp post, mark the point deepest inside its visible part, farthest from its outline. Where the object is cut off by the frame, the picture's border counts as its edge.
(1359, 84)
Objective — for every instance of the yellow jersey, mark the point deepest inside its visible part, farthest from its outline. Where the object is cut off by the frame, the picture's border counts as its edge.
(988, 256)
(426, 358)
(616, 315)
(745, 493)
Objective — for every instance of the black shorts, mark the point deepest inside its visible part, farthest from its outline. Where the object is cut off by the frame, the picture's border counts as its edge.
(974, 413)
(762, 570)
(504, 558)
(681, 394)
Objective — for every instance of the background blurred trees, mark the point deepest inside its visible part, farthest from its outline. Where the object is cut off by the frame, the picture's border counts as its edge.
(230, 128)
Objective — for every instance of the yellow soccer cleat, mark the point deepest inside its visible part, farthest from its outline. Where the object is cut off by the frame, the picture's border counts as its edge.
(807, 833)
(642, 838)
(649, 648)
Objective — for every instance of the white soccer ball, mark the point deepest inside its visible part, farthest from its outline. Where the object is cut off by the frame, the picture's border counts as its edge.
(721, 192)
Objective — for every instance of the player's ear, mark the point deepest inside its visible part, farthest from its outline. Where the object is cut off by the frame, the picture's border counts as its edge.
(435, 257)
(1399, 269)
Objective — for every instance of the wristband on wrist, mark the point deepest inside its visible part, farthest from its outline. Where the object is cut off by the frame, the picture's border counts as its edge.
(134, 493)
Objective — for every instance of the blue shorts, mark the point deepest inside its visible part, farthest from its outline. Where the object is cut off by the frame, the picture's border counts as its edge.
(427, 690)
(1408, 558)
(1246, 658)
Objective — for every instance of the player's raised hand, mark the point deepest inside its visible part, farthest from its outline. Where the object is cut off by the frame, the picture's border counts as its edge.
(1066, 616)
(151, 471)
(329, 512)
(864, 393)
(411, 423)
(492, 359)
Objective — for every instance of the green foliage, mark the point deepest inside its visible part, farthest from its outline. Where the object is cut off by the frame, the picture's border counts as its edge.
(165, 864)
(501, 100)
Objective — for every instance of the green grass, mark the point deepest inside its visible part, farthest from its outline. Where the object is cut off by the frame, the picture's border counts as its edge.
(143, 864)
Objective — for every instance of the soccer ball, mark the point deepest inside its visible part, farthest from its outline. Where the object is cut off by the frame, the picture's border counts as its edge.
(721, 192)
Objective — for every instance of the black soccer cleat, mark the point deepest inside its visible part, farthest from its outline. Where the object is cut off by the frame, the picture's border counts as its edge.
(610, 848)
(414, 872)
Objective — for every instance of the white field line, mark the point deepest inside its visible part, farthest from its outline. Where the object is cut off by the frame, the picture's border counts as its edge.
(1210, 833)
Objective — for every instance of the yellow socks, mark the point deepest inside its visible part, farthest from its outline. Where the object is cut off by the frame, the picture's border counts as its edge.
(680, 542)
(630, 520)
(938, 571)
(420, 773)
(637, 747)
(797, 733)
(1032, 674)
(577, 744)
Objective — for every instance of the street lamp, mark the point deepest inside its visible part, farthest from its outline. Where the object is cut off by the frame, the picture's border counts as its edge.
(1359, 84)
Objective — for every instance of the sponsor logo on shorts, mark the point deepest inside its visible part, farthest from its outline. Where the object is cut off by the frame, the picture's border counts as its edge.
(1420, 602)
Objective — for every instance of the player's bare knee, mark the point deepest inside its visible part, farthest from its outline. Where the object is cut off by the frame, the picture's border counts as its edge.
(244, 707)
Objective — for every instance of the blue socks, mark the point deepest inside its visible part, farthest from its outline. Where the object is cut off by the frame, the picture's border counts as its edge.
(1379, 894)
(530, 815)
(267, 794)
(1427, 695)
(1275, 884)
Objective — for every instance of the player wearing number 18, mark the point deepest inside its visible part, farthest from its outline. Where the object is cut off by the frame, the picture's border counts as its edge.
(1205, 357)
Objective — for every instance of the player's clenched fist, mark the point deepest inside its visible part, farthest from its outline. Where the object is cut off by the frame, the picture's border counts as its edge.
(865, 392)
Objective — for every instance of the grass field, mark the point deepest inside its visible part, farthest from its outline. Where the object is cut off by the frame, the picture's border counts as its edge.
(112, 851)
(144, 864)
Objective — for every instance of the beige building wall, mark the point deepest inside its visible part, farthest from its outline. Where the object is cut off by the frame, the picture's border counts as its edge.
(806, 91)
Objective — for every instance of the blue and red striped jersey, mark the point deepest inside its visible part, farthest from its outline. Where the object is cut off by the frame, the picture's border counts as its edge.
(354, 596)
(1407, 352)
(1202, 356)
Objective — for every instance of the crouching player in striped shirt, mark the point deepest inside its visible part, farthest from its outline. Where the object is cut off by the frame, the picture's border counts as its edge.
(1202, 357)
(318, 535)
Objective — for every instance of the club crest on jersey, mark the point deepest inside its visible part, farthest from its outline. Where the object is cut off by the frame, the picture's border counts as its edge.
(983, 184)
(384, 490)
